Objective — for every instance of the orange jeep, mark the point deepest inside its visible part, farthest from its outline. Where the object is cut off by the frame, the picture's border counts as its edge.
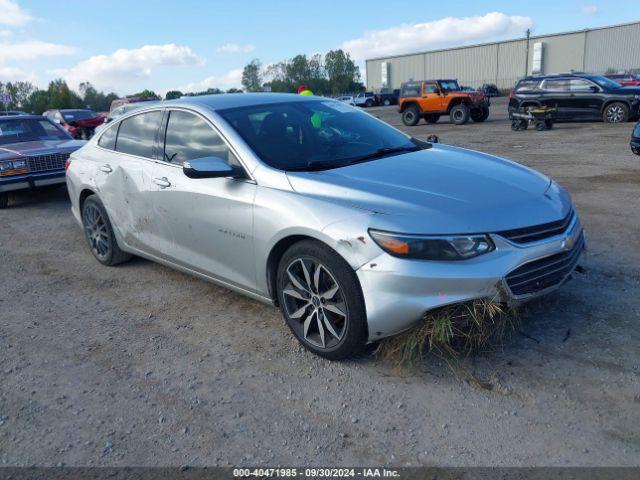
(429, 99)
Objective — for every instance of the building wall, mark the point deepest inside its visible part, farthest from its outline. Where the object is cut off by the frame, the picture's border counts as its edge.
(503, 63)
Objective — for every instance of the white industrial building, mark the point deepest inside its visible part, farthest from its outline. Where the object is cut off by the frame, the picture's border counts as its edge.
(596, 50)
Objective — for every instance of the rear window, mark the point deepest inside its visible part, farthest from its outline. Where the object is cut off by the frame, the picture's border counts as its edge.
(524, 85)
(15, 130)
(136, 135)
(410, 89)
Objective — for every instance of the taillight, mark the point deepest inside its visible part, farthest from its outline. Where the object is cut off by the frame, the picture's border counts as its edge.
(67, 164)
(510, 94)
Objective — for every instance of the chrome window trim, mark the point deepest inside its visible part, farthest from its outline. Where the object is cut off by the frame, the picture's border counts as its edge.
(250, 178)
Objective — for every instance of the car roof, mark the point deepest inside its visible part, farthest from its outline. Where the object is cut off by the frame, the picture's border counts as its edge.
(534, 78)
(223, 101)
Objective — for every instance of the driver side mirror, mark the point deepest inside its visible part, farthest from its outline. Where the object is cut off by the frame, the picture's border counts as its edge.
(594, 89)
(208, 167)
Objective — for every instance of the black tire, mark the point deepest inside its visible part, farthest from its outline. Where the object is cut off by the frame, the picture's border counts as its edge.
(616, 112)
(480, 114)
(4, 200)
(540, 126)
(386, 102)
(343, 336)
(411, 116)
(431, 119)
(99, 235)
(459, 114)
(368, 103)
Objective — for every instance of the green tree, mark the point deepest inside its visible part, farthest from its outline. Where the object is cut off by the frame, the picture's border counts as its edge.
(173, 94)
(61, 96)
(252, 76)
(342, 72)
(235, 90)
(147, 95)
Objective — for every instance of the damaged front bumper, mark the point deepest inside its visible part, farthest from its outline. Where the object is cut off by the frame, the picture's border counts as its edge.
(398, 291)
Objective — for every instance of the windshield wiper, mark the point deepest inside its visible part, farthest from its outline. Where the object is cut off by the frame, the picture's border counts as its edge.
(343, 162)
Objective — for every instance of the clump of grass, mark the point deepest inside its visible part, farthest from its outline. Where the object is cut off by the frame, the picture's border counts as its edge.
(450, 332)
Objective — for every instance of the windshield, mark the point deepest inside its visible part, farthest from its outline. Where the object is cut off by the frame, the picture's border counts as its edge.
(605, 82)
(71, 115)
(449, 85)
(636, 131)
(17, 130)
(314, 135)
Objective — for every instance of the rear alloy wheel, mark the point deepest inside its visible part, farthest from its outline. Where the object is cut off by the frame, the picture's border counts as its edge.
(616, 112)
(386, 102)
(99, 233)
(321, 301)
(480, 114)
(368, 103)
(4, 200)
(411, 116)
(459, 114)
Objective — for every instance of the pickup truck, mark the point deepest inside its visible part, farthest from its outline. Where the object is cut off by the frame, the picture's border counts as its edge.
(365, 99)
(387, 98)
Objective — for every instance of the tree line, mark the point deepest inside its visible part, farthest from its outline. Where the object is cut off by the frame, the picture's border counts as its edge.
(331, 74)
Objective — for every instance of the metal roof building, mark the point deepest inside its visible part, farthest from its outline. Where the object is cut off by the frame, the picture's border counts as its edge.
(503, 63)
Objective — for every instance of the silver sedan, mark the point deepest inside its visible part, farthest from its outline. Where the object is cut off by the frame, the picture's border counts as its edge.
(351, 227)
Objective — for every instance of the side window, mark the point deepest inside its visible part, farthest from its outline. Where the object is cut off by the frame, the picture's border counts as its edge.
(577, 85)
(136, 134)
(188, 136)
(108, 138)
(561, 85)
(525, 85)
(430, 88)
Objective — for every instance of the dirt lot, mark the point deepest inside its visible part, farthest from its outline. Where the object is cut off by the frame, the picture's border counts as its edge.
(140, 365)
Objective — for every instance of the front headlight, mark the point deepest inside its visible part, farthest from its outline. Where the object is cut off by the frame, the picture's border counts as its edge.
(436, 247)
(13, 168)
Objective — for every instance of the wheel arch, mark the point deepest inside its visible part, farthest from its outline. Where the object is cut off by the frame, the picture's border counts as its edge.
(616, 100)
(84, 194)
(411, 103)
(457, 101)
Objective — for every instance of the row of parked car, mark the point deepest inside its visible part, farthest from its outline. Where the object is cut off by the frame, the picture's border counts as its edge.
(571, 96)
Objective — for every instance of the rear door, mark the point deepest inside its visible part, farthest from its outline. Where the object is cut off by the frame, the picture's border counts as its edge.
(556, 94)
(124, 175)
(205, 224)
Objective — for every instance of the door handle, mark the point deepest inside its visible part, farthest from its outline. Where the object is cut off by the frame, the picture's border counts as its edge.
(162, 182)
(106, 168)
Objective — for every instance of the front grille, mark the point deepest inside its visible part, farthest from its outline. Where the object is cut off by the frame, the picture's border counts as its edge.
(538, 232)
(546, 272)
(43, 163)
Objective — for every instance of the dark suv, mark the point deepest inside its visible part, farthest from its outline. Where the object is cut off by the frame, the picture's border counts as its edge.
(577, 97)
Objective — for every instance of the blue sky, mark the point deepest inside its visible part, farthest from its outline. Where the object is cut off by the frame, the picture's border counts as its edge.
(130, 45)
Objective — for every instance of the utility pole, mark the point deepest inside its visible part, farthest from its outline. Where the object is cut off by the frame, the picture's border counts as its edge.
(526, 60)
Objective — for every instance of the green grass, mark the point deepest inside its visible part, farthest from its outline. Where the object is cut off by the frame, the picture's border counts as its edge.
(451, 332)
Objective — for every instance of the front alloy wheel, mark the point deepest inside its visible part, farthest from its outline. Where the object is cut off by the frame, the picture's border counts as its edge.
(321, 300)
(616, 113)
(313, 297)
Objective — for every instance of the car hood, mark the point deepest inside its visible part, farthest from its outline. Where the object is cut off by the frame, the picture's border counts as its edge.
(37, 147)
(635, 90)
(441, 190)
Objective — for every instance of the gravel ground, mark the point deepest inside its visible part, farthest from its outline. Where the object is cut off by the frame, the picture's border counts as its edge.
(141, 365)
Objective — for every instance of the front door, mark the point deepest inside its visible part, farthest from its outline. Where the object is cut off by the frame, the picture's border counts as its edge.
(432, 99)
(205, 224)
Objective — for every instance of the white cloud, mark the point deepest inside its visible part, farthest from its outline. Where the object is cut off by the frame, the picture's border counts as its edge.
(119, 69)
(30, 49)
(590, 10)
(5, 33)
(235, 48)
(12, 74)
(446, 32)
(231, 79)
(12, 15)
